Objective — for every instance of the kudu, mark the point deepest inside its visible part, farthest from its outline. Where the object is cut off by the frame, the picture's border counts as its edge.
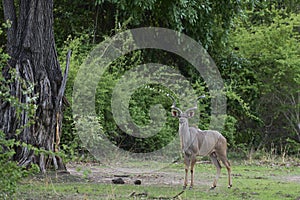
(195, 142)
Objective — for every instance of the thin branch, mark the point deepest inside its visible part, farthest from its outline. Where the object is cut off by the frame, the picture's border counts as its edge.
(177, 195)
(64, 81)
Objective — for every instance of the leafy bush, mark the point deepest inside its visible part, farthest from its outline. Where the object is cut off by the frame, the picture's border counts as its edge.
(268, 80)
(10, 172)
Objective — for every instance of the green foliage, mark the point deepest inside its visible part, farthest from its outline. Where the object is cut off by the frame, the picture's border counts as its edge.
(254, 43)
(229, 131)
(210, 18)
(263, 12)
(80, 47)
(10, 172)
(293, 146)
(139, 106)
(268, 76)
(73, 18)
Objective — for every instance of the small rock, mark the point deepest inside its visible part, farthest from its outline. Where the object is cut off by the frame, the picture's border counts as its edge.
(118, 181)
(137, 182)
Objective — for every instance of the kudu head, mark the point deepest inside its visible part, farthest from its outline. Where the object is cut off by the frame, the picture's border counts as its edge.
(183, 116)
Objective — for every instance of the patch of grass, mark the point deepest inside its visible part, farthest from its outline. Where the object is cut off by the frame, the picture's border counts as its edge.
(249, 182)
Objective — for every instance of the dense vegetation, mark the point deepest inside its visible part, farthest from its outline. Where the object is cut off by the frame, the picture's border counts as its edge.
(254, 43)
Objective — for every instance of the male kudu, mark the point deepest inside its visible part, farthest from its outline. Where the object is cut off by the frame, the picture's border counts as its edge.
(196, 142)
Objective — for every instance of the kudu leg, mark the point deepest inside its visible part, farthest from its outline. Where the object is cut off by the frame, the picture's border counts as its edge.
(193, 162)
(187, 162)
(216, 162)
(228, 167)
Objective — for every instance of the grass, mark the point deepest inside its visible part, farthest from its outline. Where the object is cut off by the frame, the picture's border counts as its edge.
(250, 181)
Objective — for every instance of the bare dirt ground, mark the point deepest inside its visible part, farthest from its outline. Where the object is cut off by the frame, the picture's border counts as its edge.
(166, 176)
(103, 174)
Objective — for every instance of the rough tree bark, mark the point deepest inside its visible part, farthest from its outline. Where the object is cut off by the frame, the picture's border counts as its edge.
(30, 43)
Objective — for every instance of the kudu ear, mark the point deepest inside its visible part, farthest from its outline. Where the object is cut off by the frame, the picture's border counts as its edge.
(175, 113)
(191, 111)
(191, 114)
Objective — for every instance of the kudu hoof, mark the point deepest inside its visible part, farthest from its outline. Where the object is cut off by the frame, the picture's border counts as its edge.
(184, 187)
(229, 186)
(212, 187)
(191, 187)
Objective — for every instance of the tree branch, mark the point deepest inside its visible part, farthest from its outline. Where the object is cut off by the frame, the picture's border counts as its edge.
(64, 81)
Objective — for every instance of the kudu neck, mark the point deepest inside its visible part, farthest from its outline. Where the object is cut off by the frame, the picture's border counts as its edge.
(183, 124)
(184, 132)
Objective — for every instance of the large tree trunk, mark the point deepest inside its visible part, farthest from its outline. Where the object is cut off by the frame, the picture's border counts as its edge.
(30, 43)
